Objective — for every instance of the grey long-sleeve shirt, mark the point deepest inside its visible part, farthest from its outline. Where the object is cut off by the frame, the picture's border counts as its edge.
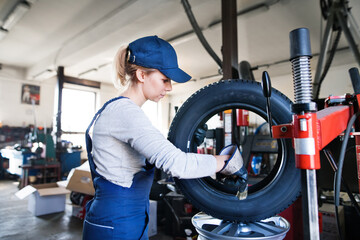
(123, 137)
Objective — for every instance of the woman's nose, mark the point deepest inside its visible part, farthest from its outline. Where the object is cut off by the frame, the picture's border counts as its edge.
(168, 86)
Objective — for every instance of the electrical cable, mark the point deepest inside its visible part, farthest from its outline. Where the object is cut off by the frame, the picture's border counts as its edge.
(199, 33)
(338, 173)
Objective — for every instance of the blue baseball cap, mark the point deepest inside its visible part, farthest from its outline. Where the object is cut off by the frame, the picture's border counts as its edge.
(154, 52)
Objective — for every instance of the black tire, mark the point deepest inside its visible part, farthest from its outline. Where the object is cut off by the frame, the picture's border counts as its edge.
(272, 195)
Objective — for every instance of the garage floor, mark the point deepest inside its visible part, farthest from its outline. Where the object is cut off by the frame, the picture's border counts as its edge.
(16, 222)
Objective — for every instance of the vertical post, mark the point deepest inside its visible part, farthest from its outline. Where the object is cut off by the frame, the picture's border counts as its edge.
(357, 141)
(229, 39)
(355, 80)
(60, 85)
(309, 203)
(230, 50)
(305, 130)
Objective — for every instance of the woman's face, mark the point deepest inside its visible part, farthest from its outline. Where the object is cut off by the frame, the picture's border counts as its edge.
(156, 85)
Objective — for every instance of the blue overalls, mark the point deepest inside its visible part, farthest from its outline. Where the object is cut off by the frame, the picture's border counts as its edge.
(117, 212)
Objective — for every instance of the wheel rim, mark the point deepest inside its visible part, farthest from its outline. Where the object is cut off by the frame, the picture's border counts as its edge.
(214, 184)
(212, 228)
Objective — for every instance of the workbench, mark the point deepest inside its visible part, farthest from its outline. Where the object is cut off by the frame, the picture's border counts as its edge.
(43, 169)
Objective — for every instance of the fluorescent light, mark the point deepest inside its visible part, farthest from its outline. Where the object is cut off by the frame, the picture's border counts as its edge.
(16, 15)
(46, 74)
(93, 70)
(3, 33)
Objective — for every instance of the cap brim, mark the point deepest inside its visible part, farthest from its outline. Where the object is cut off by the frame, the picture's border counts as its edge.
(176, 74)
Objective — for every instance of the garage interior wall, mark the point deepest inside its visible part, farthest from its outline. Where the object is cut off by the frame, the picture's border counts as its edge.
(337, 83)
(262, 39)
(14, 113)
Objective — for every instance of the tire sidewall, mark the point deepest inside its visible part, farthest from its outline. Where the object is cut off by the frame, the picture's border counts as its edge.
(228, 94)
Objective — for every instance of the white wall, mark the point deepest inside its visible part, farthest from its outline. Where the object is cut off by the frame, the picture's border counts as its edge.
(107, 92)
(182, 91)
(16, 114)
(163, 115)
(337, 82)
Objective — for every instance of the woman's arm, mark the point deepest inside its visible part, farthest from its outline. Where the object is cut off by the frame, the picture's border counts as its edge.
(129, 124)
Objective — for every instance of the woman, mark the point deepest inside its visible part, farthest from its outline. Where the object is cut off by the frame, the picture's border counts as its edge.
(125, 144)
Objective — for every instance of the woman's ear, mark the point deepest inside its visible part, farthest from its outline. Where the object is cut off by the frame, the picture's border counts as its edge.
(140, 75)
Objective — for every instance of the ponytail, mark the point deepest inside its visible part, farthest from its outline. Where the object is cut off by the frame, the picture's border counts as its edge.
(125, 72)
(120, 67)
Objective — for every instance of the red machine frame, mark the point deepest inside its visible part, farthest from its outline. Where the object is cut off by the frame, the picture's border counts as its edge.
(315, 130)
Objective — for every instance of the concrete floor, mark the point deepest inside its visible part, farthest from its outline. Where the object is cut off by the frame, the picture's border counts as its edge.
(17, 223)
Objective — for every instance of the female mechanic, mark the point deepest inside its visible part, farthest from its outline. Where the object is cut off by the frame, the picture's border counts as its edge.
(124, 144)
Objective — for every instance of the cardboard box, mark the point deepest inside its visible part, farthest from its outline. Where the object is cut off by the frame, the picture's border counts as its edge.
(44, 198)
(152, 229)
(79, 180)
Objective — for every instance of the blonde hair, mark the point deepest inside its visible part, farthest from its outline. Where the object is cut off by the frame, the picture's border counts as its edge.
(125, 72)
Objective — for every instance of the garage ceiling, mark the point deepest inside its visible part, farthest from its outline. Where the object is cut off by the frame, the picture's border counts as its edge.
(84, 35)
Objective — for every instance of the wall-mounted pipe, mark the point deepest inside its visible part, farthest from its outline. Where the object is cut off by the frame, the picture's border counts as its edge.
(265, 4)
(199, 33)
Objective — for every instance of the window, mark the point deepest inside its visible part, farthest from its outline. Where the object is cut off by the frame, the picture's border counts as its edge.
(78, 109)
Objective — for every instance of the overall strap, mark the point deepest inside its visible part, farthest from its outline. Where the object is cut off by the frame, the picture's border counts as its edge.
(89, 141)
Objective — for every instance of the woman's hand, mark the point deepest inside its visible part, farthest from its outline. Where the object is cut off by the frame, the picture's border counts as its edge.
(234, 165)
(229, 161)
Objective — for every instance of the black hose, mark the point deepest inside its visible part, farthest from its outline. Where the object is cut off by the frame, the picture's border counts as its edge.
(333, 165)
(338, 222)
(328, 62)
(199, 33)
(346, 186)
(338, 173)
